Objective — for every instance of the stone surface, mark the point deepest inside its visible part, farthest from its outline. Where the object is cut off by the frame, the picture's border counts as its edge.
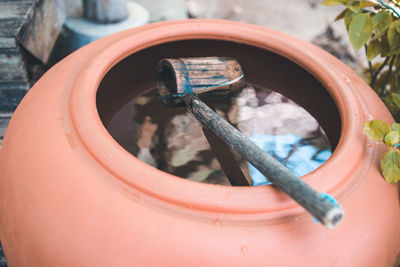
(303, 19)
(307, 20)
(339, 46)
(165, 10)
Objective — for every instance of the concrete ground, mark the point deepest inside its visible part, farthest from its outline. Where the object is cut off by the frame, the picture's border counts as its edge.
(304, 19)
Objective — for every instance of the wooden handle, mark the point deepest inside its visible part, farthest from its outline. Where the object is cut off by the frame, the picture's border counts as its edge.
(320, 205)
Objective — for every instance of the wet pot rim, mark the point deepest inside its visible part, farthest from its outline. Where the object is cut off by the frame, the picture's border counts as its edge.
(206, 197)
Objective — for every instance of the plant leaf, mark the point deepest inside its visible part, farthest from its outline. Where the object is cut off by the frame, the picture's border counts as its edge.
(360, 30)
(393, 36)
(376, 130)
(364, 4)
(332, 2)
(378, 35)
(348, 17)
(392, 138)
(341, 15)
(393, 80)
(374, 49)
(396, 127)
(381, 21)
(394, 110)
(353, 5)
(385, 52)
(390, 166)
(396, 99)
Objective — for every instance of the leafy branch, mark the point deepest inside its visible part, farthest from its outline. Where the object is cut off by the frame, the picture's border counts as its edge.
(380, 132)
(375, 25)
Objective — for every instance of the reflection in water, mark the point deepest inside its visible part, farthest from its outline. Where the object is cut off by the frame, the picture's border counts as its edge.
(171, 140)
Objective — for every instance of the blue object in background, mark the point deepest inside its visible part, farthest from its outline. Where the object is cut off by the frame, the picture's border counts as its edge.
(288, 149)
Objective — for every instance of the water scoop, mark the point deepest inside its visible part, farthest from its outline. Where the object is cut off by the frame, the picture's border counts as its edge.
(192, 81)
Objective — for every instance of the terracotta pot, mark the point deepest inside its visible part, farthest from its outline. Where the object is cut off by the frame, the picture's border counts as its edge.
(71, 196)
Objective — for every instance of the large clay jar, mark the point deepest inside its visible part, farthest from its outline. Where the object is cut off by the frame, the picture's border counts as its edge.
(72, 196)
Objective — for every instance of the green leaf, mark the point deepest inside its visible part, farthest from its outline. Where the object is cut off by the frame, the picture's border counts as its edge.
(386, 49)
(348, 17)
(378, 35)
(374, 49)
(376, 130)
(396, 127)
(393, 36)
(364, 4)
(332, 2)
(390, 166)
(393, 108)
(385, 46)
(360, 30)
(393, 80)
(381, 21)
(392, 138)
(396, 99)
(353, 6)
(341, 15)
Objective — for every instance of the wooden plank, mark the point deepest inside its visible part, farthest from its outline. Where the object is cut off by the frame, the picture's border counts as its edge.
(8, 46)
(24, 21)
(11, 27)
(12, 68)
(40, 34)
(13, 15)
(11, 95)
(15, 9)
(4, 120)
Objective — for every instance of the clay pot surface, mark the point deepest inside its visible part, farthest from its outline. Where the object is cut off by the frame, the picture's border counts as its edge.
(70, 195)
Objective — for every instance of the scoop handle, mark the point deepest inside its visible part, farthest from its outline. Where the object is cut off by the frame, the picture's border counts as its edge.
(323, 207)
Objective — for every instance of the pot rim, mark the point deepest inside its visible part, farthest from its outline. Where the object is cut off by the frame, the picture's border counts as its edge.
(266, 200)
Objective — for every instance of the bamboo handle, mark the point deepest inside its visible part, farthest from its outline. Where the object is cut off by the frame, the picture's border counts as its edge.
(320, 205)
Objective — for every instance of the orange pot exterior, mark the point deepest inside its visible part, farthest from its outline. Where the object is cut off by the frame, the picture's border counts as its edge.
(71, 196)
